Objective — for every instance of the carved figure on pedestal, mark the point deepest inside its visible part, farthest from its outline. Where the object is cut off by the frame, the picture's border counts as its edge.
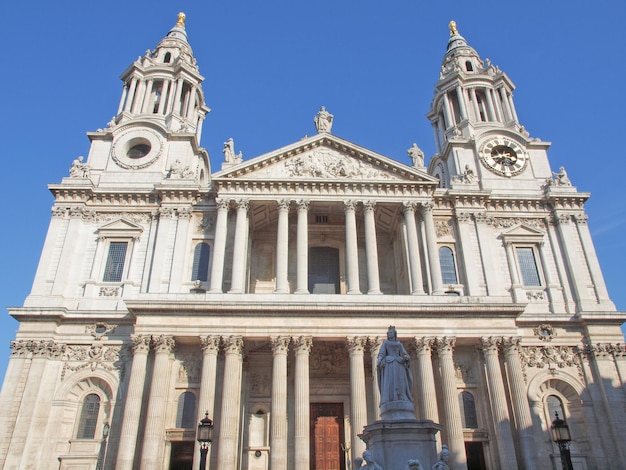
(79, 169)
(229, 152)
(395, 380)
(417, 156)
(561, 178)
(444, 456)
(323, 120)
(414, 464)
(370, 464)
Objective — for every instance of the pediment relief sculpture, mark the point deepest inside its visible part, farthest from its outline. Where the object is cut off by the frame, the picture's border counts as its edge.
(326, 164)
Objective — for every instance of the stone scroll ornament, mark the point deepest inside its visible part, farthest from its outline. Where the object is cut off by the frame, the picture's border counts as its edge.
(395, 379)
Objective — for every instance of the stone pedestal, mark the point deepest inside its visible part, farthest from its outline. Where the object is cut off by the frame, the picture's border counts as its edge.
(394, 442)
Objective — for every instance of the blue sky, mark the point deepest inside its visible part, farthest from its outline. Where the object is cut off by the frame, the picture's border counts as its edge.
(270, 65)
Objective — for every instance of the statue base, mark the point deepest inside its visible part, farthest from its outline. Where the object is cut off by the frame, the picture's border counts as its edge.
(393, 410)
(394, 442)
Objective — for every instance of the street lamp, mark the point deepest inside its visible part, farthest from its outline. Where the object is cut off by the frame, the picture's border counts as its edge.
(204, 435)
(562, 437)
(103, 447)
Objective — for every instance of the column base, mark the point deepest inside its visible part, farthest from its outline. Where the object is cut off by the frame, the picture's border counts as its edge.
(301, 291)
(394, 442)
(374, 292)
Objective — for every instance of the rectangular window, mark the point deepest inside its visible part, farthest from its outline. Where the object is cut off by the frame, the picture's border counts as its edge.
(115, 262)
(321, 219)
(528, 266)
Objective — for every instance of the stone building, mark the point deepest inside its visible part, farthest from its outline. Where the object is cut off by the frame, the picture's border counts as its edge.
(260, 293)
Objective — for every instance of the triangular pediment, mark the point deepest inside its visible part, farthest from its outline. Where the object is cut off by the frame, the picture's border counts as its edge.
(523, 233)
(119, 228)
(324, 157)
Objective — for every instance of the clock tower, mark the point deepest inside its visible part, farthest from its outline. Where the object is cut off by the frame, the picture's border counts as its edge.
(155, 136)
(479, 139)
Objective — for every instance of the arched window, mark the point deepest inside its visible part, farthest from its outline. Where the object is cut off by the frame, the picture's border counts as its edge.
(468, 66)
(167, 58)
(186, 413)
(470, 418)
(555, 405)
(200, 270)
(448, 267)
(88, 417)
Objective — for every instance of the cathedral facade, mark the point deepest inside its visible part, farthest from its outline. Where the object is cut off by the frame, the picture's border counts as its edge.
(260, 294)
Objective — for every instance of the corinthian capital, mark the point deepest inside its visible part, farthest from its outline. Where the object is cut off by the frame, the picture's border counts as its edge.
(356, 344)
(163, 344)
(280, 344)
(233, 344)
(303, 344)
(210, 344)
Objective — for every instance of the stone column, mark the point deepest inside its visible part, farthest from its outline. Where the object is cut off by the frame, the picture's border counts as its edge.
(427, 395)
(302, 254)
(521, 406)
(358, 402)
(452, 416)
(180, 245)
(352, 250)
(219, 246)
(162, 247)
(447, 112)
(164, 88)
(154, 434)
(591, 257)
(505, 104)
(490, 111)
(12, 392)
(417, 284)
(123, 98)
(282, 248)
(147, 98)
(302, 412)
(132, 403)
(431, 245)
(461, 99)
(516, 285)
(498, 401)
(278, 428)
(239, 249)
(375, 344)
(472, 267)
(206, 402)
(228, 441)
(131, 94)
(371, 248)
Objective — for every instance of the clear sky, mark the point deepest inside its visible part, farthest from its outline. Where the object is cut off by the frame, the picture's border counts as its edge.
(269, 66)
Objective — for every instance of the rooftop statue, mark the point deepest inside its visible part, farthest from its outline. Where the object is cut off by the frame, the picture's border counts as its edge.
(417, 156)
(323, 120)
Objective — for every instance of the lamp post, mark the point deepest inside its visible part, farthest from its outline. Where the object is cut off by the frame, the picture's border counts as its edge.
(562, 437)
(103, 447)
(204, 435)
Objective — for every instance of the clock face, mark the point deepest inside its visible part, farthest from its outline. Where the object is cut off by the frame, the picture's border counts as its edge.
(503, 157)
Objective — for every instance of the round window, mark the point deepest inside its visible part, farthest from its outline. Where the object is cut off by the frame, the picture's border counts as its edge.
(138, 149)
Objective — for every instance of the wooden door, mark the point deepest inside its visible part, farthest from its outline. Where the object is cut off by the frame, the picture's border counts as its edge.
(327, 436)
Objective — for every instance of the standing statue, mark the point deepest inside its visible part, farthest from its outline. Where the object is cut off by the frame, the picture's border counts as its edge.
(394, 370)
(229, 152)
(417, 156)
(370, 463)
(323, 120)
(444, 456)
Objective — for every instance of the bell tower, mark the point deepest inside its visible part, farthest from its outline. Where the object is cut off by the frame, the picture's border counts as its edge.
(158, 125)
(478, 137)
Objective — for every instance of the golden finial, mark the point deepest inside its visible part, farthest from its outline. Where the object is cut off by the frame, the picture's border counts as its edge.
(452, 26)
(181, 20)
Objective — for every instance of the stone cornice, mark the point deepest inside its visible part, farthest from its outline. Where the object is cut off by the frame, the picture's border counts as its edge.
(254, 304)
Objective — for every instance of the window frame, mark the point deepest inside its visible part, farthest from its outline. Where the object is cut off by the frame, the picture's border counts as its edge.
(193, 275)
(454, 262)
(81, 417)
(537, 263)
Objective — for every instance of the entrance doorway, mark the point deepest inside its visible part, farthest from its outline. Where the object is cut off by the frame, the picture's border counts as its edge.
(327, 436)
(475, 456)
(182, 455)
(323, 270)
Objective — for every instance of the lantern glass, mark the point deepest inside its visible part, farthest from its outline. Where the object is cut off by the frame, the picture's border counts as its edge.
(560, 430)
(205, 430)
